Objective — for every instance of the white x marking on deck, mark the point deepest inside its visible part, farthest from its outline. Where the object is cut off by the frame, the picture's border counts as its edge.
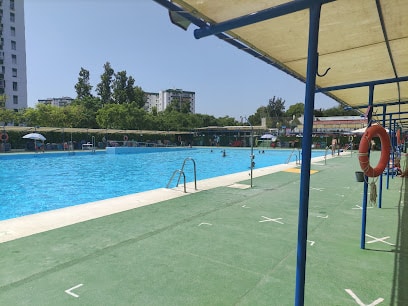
(69, 291)
(318, 189)
(359, 302)
(359, 207)
(266, 219)
(379, 239)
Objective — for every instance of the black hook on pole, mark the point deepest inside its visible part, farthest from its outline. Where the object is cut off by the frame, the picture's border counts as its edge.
(322, 75)
(317, 72)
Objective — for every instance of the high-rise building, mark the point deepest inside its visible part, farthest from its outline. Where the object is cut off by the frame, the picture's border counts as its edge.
(13, 74)
(162, 99)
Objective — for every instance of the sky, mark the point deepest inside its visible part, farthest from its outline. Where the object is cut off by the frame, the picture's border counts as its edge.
(137, 36)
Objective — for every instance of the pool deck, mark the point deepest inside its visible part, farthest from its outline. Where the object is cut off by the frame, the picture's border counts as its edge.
(223, 244)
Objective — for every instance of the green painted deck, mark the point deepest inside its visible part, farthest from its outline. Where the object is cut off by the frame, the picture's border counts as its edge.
(223, 246)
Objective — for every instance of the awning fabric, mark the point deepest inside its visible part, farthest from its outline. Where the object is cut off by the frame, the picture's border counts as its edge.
(360, 41)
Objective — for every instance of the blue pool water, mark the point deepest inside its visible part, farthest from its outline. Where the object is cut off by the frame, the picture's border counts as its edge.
(32, 184)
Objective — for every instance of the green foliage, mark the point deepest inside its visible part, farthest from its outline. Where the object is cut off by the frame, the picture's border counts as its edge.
(261, 112)
(139, 96)
(7, 115)
(119, 88)
(335, 111)
(103, 88)
(83, 88)
(276, 107)
(296, 110)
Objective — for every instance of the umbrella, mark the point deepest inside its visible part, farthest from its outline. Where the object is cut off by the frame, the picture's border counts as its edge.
(34, 136)
(269, 136)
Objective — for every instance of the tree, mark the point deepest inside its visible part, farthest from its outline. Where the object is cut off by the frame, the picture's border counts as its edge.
(173, 106)
(7, 115)
(130, 90)
(119, 88)
(296, 110)
(276, 107)
(339, 111)
(139, 96)
(226, 121)
(261, 112)
(104, 87)
(3, 99)
(83, 87)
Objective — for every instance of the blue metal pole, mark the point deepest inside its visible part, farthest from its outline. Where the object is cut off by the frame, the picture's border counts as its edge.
(364, 208)
(381, 177)
(389, 128)
(314, 20)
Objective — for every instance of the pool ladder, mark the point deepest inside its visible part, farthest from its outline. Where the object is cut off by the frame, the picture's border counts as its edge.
(181, 172)
(93, 144)
(297, 155)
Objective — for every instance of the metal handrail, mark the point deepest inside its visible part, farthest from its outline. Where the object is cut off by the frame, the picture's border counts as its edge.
(195, 171)
(93, 144)
(297, 157)
(180, 173)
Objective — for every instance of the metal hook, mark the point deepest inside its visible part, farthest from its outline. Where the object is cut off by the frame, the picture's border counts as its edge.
(317, 72)
(322, 75)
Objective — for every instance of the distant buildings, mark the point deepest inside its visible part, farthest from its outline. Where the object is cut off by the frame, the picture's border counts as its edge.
(337, 124)
(159, 100)
(162, 99)
(13, 75)
(59, 102)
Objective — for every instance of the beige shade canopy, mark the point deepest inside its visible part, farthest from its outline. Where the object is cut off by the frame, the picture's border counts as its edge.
(360, 41)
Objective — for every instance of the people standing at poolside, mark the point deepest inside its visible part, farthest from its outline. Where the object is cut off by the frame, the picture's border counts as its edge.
(333, 145)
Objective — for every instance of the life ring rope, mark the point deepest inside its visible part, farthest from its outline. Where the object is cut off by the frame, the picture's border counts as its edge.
(363, 152)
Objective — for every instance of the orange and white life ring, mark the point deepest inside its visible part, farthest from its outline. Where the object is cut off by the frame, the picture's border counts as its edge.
(4, 137)
(365, 142)
(125, 138)
(399, 137)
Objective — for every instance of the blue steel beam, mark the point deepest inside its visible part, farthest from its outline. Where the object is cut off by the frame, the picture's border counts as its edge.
(364, 208)
(363, 84)
(388, 168)
(273, 12)
(314, 23)
(380, 104)
(228, 39)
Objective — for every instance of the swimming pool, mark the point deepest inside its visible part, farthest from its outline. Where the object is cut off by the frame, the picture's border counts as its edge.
(34, 183)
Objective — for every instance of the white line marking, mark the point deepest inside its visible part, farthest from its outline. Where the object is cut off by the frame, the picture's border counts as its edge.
(266, 219)
(359, 207)
(69, 291)
(323, 217)
(379, 239)
(359, 302)
(318, 189)
(311, 242)
(204, 223)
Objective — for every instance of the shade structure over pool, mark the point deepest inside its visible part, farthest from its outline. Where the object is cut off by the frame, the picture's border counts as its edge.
(362, 130)
(352, 51)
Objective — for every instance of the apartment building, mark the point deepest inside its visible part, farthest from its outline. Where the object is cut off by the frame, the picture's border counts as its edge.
(59, 102)
(152, 101)
(13, 75)
(162, 99)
